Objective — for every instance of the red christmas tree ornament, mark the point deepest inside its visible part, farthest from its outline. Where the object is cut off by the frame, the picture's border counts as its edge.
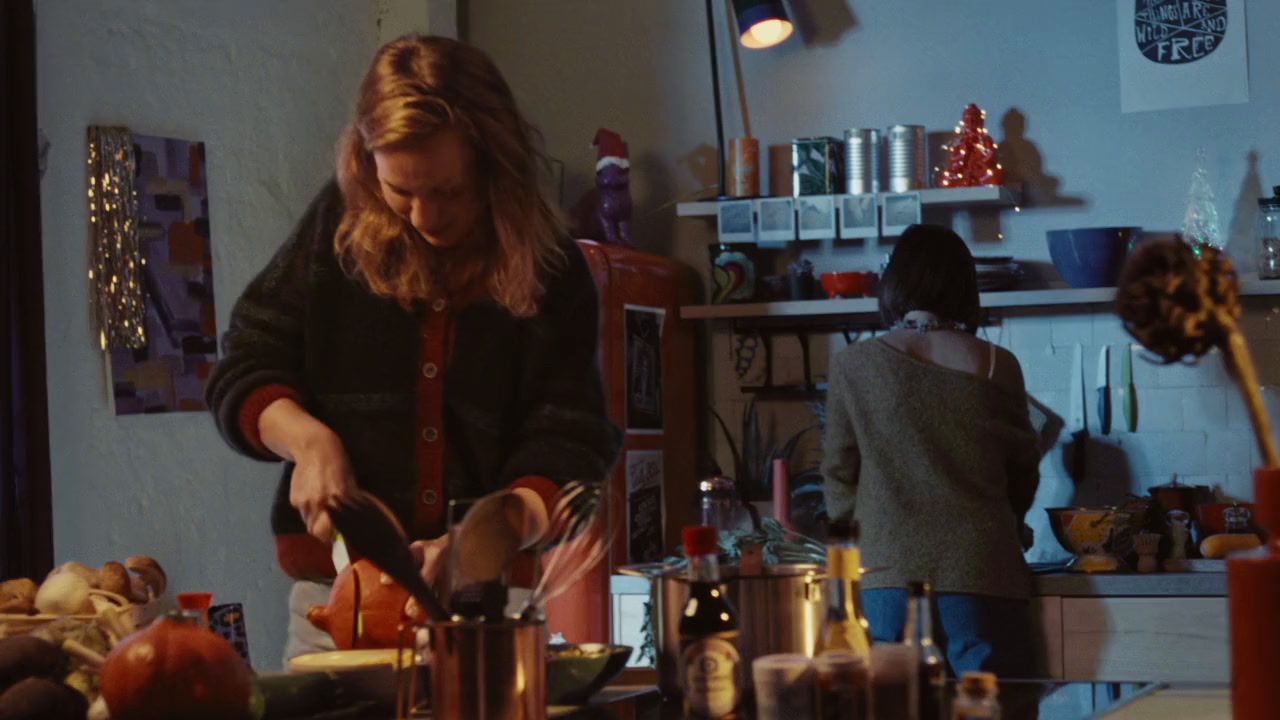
(973, 154)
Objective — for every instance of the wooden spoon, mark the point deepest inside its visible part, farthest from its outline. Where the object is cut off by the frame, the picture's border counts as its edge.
(489, 536)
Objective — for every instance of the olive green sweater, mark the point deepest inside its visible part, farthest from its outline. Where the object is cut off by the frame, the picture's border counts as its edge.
(938, 467)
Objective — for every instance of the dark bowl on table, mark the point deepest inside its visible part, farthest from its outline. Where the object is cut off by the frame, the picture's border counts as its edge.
(1091, 257)
(576, 672)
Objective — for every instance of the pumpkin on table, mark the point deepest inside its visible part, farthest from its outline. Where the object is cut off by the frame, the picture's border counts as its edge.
(175, 668)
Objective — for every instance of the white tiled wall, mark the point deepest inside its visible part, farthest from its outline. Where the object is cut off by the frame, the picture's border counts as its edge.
(1192, 420)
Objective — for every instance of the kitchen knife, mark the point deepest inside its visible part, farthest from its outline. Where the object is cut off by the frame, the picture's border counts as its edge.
(1129, 401)
(1104, 390)
(1079, 433)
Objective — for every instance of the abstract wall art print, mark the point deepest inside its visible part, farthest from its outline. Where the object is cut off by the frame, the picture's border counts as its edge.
(169, 372)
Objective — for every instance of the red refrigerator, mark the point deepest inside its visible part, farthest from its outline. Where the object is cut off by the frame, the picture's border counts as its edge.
(647, 361)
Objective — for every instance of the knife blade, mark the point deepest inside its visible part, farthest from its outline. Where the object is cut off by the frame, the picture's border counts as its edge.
(1129, 403)
(1104, 390)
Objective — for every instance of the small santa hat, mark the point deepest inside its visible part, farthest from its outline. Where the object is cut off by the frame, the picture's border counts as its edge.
(610, 150)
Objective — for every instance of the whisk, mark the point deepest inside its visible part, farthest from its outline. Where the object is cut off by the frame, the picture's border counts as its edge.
(577, 538)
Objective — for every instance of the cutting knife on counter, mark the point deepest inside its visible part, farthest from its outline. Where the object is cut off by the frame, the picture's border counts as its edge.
(1104, 390)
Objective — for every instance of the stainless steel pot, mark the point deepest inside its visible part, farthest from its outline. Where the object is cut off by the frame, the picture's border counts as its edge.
(779, 611)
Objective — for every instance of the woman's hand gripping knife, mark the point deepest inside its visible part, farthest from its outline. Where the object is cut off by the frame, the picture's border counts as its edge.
(322, 475)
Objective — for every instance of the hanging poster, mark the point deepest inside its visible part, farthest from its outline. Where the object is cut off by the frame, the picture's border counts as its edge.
(169, 372)
(1181, 53)
(643, 348)
(644, 506)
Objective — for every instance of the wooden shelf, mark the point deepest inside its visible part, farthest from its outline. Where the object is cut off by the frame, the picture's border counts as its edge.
(996, 195)
(1249, 286)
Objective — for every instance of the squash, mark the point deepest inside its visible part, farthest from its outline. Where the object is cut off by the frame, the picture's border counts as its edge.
(42, 699)
(175, 669)
(1223, 544)
(365, 610)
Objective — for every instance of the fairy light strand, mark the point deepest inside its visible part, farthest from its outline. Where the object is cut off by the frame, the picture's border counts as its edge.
(116, 263)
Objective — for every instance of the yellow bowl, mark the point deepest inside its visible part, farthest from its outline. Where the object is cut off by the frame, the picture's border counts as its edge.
(1090, 532)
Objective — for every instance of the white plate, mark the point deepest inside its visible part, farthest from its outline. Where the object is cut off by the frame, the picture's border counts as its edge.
(340, 660)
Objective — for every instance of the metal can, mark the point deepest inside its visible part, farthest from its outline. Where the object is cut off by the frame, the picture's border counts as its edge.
(816, 166)
(744, 167)
(861, 161)
(907, 158)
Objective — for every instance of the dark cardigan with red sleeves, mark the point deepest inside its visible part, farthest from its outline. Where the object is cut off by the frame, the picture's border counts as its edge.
(520, 397)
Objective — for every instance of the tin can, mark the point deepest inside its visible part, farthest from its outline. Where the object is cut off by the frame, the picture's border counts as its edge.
(779, 170)
(744, 167)
(906, 158)
(816, 166)
(861, 161)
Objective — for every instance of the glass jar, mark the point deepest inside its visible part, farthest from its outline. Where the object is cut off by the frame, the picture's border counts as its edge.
(1268, 235)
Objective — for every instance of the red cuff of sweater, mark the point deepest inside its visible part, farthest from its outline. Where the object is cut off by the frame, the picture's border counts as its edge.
(546, 489)
(252, 407)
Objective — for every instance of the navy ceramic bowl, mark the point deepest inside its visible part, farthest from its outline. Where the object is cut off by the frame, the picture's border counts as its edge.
(1091, 257)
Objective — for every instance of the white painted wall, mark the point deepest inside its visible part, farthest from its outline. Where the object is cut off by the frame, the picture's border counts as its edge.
(267, 87)
(642, 69)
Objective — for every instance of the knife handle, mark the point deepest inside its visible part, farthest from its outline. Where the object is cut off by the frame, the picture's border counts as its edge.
(1078, 456)
(1104, 411)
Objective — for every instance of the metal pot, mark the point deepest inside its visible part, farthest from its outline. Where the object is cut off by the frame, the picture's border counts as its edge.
(779, 611)
(483, 670)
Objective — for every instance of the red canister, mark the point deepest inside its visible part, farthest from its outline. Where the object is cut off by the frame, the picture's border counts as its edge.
(1253, 594)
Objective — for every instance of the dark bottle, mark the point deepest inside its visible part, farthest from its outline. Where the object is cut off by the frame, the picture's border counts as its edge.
(710, 666)
(929, 682)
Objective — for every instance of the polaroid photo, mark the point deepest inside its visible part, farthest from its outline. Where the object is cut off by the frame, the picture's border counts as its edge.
(900, 211)
(859, 217)
(777, 221)
(817, 215)
(734, 222)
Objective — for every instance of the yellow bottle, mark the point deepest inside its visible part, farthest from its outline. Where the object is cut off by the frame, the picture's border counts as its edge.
(845, 628)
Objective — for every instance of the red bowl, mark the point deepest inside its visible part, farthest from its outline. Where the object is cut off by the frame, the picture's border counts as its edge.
(849, 284)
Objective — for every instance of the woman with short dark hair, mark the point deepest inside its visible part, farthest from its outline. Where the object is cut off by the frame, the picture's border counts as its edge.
(930, 448)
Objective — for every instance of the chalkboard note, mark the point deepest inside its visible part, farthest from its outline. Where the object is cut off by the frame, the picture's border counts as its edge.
(1175, 32)
(644, 506)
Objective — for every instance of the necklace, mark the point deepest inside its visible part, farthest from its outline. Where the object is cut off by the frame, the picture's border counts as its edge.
(923, 322)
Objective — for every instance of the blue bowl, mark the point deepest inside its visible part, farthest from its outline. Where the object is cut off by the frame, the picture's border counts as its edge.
(1091, 257)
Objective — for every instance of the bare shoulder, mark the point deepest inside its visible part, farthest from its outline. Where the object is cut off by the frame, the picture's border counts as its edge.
(1008, 372)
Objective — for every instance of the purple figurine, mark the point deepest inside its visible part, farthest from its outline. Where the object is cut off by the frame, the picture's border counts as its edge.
(613, 193)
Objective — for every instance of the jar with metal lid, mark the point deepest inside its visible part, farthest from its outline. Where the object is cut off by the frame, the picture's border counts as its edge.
(1268, 235)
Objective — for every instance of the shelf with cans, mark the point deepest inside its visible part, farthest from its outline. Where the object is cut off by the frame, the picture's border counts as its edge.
(989, 195)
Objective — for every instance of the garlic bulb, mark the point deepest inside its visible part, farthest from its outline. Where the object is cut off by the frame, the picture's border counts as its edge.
(64, 593)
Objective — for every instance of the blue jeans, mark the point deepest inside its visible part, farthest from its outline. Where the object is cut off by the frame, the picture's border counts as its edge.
(976, 632)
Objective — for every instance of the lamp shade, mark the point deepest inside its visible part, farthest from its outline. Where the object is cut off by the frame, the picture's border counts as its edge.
(761, 23)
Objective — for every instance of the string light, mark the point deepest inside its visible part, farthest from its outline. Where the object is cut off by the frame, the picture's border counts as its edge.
(973, 154)
(113, 219)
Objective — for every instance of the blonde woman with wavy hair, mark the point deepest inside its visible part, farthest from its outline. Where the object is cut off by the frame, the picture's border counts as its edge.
(428, 332)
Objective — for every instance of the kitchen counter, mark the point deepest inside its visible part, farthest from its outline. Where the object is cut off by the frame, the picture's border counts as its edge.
(1185, 584)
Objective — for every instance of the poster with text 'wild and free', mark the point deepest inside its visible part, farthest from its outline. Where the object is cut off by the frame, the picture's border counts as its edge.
(1181, 53)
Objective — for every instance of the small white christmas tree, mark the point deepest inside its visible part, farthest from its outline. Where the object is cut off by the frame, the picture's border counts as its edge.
(1200, 225)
